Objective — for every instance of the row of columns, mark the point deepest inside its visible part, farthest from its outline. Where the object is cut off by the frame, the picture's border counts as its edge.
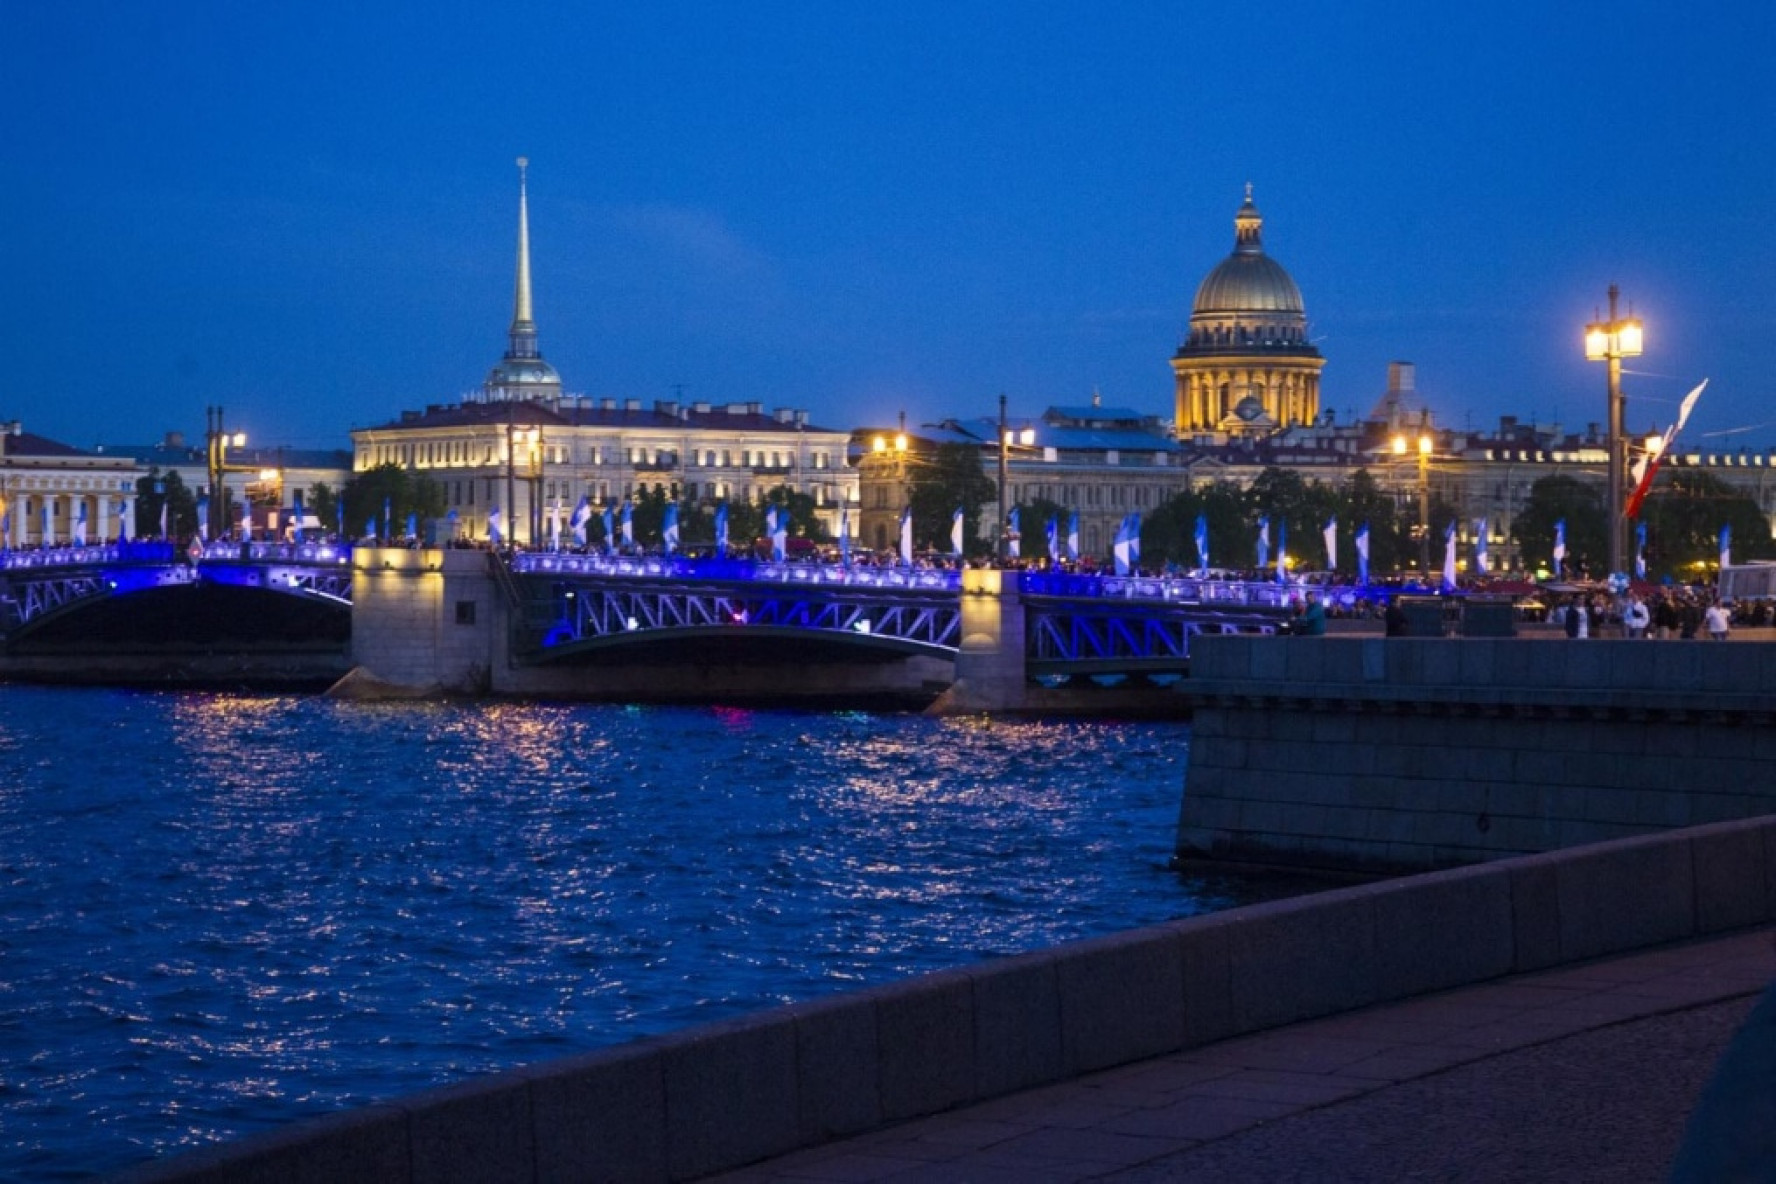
(1207, 397)
(26, 525)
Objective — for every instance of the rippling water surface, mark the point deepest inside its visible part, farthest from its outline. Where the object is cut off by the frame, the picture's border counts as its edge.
(220, 913)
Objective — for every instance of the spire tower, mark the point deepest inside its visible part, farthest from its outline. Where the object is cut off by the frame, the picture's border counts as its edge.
(522, 374)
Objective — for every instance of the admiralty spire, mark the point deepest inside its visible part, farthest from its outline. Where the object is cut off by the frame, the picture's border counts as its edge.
(522, 374)
(1246, 366)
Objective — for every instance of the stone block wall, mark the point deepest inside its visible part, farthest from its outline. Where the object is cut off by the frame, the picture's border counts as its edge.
(1408, 754)
(723, 1095)
(425, 618)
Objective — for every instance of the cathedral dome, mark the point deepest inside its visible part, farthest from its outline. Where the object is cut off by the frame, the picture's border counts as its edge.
(1248, 280)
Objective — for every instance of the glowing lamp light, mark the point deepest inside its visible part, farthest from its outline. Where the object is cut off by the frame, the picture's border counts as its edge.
(862, 626)
(631, 624)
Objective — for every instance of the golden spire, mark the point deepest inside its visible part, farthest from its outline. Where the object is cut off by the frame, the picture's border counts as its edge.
(521, 318)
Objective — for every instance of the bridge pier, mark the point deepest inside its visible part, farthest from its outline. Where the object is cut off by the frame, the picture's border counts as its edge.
(990, 673)
(427, 620)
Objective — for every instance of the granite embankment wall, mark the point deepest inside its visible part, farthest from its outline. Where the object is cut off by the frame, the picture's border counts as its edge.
(723, 1095)
(1409, 754)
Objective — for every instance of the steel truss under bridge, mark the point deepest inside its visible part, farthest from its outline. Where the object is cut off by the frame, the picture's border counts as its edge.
(1121, 637)
(592, 611)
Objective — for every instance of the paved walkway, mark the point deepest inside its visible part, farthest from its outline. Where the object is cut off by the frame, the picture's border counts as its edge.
(1583, 1073)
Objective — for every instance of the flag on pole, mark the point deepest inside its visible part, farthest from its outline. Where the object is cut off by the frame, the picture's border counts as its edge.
(163, 518)
(80, 526)
(1449, 558)
(1482, 564)
(845, 535)
(1054, 539)
(628, 525)
(388, 522)
(555, 525)
(1282, 552)
(610, 531)
(1073, 537)
(122, 523)
(450, 520)
(1012, 541)
(1119, 549)
(582, 514)
(779, 519)
(6, 529)
(1363, 555)
(1640, 550)
(956, 533)
(412, 527)
(721, 530)
(495, 535)
(906, 535)
(1135, 540)
(296, 497)
(1726, 546)
(370, 529)
(1648, 464)
(1559, 545)
(1202, 542)
(203, 519)
(48, 526)
(1263, 543)
(1331, 536)
(669, 528)
(339, 518)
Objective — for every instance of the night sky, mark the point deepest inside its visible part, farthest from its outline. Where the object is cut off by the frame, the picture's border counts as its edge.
(306, 212)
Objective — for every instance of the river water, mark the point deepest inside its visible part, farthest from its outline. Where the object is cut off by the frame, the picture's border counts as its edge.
(220, 913)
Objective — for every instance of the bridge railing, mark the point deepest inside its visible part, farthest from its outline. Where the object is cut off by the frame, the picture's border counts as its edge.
(1175, 589)
(267, 552)
(125, 552)
(679, 567)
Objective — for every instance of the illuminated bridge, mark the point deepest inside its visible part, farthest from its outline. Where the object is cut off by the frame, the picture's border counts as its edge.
(40, 589)
(1105, 627)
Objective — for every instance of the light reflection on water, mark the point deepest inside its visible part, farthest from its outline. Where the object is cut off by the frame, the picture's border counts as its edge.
(220, 913)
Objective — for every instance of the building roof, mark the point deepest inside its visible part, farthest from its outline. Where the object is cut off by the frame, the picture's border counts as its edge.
(602, 413)
(1247, 281)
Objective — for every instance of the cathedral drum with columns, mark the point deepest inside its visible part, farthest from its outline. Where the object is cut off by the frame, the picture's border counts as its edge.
(1246, 367)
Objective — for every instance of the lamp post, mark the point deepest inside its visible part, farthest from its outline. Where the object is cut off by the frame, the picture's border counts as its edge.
(1003, 550)
(1610, 341)
(1424, 495)
(217, 444)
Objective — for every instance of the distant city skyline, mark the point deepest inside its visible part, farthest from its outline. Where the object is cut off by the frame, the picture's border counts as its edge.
(309, 215)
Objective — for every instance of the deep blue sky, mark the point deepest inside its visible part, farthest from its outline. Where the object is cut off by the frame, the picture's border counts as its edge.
(306, 212)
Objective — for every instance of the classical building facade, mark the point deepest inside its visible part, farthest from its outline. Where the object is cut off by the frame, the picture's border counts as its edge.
(53, 494)
(523, 447)
(1246, 366)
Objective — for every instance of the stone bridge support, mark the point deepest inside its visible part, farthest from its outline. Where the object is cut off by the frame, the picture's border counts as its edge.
(990, 673)
(426, 620)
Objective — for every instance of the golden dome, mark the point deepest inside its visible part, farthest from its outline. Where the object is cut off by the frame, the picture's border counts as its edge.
(1247, 281)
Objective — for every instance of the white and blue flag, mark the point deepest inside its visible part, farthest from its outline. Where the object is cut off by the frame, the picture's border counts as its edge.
(1482, 563)
(582, 514)
(1282, 552)
(1119, 549)
(1331, 536)
(1054, 539)
(1449, 558)
(1012, 542)
(80, 526)
(495, 532)
(1640, 550)
(1559, 545)
(1726, 546)
(628, 525)
(1363, 555)
(1073, 537)
(1263, 543)
(610, 530)
(721, 530)
(906, 535)
(203, 520)
(845, 535)
(956, 533)
(669, 528)
(1202, 542)
(779, 526)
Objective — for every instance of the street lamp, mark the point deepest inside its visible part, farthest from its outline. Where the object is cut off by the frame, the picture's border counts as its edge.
(1007, 439)
(1610, 341)
(1424, 495)
(218, 443)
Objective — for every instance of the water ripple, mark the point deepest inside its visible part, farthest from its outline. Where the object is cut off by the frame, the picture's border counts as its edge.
(219, 913)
